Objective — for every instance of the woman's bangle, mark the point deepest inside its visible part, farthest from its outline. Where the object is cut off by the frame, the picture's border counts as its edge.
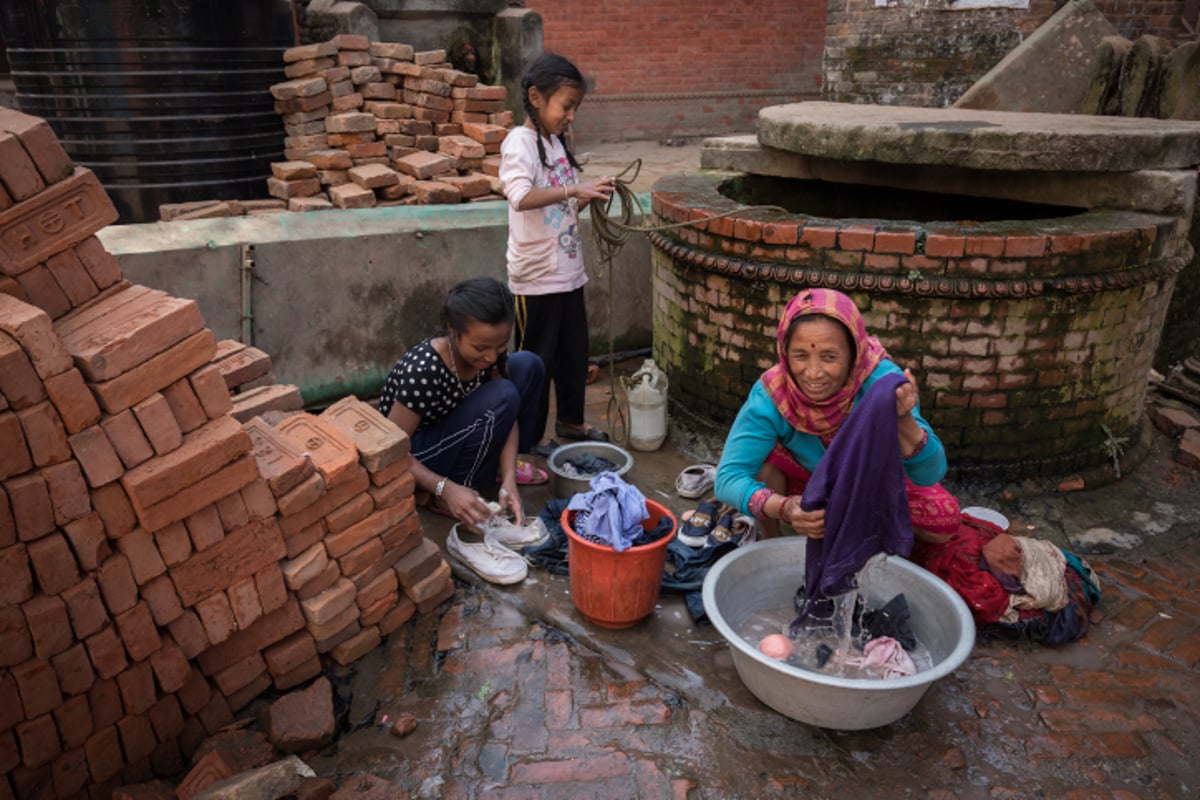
(566, 197)
(441, 487)
(920, 445)
(758, 502)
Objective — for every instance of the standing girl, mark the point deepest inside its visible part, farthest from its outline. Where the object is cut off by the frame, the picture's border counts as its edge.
(545, 249)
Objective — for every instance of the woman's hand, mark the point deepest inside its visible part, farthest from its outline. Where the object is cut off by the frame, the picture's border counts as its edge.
(906, 395)
(599, 189)
(805, 523)
(465, 504)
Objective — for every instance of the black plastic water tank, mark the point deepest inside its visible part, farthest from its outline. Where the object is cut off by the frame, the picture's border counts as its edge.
(166, 101)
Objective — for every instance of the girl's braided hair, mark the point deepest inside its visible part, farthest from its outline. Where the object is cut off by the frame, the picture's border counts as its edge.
(548, 73)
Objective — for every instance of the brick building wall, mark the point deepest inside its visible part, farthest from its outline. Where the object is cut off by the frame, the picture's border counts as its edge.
(658, 69)
(928, 53)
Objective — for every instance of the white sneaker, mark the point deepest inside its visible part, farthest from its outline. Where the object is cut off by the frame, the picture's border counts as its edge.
(516, 536)
(489, 559)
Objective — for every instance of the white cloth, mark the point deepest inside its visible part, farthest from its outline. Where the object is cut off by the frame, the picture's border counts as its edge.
(545, 249)
(1043, 574)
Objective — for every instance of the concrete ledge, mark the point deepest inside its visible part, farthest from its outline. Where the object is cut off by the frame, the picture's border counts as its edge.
(337, 296)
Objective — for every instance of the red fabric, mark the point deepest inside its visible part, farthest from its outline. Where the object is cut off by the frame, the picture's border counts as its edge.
(956, 561)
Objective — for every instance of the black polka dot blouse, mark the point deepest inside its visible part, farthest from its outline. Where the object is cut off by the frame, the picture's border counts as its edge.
(421, 382)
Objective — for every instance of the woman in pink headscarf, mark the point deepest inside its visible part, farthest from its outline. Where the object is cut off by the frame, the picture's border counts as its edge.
(827, 362)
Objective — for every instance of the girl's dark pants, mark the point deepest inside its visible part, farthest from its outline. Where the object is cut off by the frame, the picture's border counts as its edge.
(556, 328)
(465, 445)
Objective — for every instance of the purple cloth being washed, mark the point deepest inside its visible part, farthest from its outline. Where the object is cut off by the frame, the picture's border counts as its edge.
(860, 484)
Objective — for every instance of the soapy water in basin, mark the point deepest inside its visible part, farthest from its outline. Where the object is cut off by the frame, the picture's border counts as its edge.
(835, 634)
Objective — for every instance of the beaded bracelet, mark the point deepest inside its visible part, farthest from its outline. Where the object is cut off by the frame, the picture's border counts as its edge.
(758, 502)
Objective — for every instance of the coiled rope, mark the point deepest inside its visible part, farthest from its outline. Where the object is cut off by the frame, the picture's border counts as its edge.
(609, 235)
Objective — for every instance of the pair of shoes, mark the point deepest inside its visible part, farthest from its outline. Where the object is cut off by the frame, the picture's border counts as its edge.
(696, 481)
(579, 433)
(545, 450)
(489, 559)
(740, 530)
(529, 475)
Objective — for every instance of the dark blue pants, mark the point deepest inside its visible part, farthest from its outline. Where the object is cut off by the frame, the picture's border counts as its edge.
(465, 445)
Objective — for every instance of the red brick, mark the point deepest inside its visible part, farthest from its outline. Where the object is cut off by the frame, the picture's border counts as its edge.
(127, 438)
(259, 500)
(53, 564)
(74, 720)
(137, 737)
(68, 491)
(195, 692)
(15, 644)
(232, 510)
(204, 527)
(819, 237)
(70, 772)
(984, 245)
(332, 453)
(209, 386)
(379, 441)
(34, 331)
(104, 701)
(96, 455)
(99, 263)
(45, 434)
(377, 588)
(44, 292)
(18, 172)
(202, 453)
(174, 544)
(74, 401)
(240, 554)
(204, 492)
(171, 667)
(297, 543)
(356, 646)
(88, 541)
(19, 381)
(216, 616)
(68, 271)
(243, 366)
(243, 599)
(39, 143)
(138, 631)
(329, 604)
(46, 619)
(240, 674)
(188, 633)
(160, 371)
(124, 330)
(272, 594)
(327, 578)
(281, 464)
(39, 741)
(167, 718)
(390, 494)
(112, 504)
(306, 566)
(290, 653)
(16, 579)
(294, 523)
(373, 614)
(159, 424)
(246, 695)
(137, 688)
(362, 557)
(38, 685)
(144, 560)
(302, 496)
(116, 584)
(103, 750)
(10, 757)
(8, 526)
(1024, 246)
(341, 543)
(164, 603)
(85, 608)
(429, 587)
(14, 456)
(185, 405)
(32, 509)
(269, 629)
(349, 513)
(303, 673)
(74, 670)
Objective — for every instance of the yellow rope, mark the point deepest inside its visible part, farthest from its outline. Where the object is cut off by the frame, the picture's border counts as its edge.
(609, 234)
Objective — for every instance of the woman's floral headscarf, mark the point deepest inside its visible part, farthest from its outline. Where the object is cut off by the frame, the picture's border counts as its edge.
(825, 417)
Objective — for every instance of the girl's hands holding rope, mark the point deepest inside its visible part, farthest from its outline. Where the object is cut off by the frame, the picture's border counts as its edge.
(599, 189)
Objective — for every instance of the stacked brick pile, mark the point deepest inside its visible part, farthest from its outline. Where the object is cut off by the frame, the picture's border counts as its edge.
(159, 559)
(376, 124)
(248, 377)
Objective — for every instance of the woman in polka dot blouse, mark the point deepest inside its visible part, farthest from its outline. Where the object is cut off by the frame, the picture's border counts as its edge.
(468, 406)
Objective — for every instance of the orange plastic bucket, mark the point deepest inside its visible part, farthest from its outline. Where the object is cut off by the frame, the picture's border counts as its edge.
(611, 589)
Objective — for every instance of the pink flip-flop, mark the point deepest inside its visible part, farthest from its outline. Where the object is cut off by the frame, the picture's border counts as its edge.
(529, 475)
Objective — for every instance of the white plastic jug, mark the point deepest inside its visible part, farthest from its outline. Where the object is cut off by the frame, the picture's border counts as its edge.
(646, 392)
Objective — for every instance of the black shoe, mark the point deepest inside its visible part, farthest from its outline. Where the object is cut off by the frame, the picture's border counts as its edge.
(579, 434)
(545, 450)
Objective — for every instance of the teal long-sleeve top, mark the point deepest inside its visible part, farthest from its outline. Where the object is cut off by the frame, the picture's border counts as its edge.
(759, 426)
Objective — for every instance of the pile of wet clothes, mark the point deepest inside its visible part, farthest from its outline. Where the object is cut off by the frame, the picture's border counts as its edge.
(585, 465)
(884, 635)
(1015, 586)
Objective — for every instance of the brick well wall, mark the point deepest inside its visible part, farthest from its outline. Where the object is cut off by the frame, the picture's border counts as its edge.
(1026, 337)
(659, 69)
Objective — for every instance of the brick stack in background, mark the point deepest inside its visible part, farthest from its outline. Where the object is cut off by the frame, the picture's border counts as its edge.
(375, 124)
(152, 577)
